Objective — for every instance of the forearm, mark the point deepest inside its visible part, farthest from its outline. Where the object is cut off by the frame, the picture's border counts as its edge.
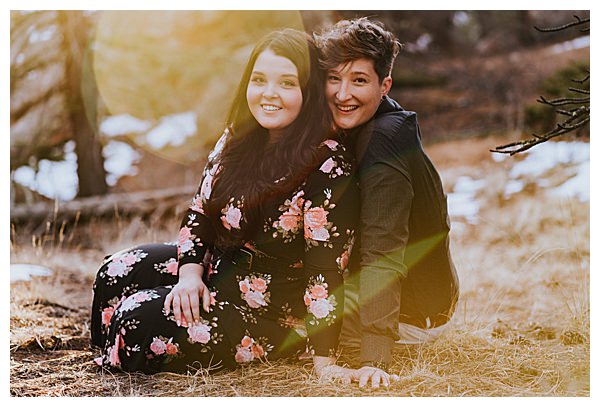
(387, 197)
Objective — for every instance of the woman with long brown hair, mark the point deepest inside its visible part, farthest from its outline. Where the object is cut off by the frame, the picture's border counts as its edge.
(257, 270)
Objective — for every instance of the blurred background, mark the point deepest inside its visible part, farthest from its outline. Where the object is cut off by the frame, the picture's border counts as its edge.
(112, 115)
(122, 101)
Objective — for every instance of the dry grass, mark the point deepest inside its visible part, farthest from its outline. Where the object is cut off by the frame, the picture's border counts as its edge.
(522, 327)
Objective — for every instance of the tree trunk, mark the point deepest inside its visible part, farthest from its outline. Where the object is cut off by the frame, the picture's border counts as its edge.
(81, 95)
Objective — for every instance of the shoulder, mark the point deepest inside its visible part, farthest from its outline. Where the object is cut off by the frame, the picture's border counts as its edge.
(397, 126)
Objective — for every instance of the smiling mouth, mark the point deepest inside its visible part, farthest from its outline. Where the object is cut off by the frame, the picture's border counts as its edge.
(270, 108)
(346, 108)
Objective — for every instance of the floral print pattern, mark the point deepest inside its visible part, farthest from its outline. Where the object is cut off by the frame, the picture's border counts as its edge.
(168, 267)
(253, 290)
(232, 214)
(273, 309)
(319, 302)
(317, 228)
(250, 349)
(119, 266)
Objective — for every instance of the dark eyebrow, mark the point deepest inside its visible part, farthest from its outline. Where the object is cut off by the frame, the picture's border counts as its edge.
(351, 72)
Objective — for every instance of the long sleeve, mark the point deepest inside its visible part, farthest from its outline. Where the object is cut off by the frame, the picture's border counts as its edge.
(196, 233)
(330, 210)
(386, 199)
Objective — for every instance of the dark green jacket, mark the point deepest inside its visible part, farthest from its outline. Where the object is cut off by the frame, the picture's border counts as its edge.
(405, 271)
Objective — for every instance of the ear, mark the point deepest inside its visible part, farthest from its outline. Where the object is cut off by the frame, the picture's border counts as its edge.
(386, 85)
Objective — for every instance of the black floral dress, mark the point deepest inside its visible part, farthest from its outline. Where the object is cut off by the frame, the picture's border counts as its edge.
(272, 299)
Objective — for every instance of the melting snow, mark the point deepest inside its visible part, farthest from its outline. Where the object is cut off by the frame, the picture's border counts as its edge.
(172, 130)
(53, 179)
(577, 43)
(24, 272)
(462, 202)
(123, 124)
(119, 160)
(575, 156)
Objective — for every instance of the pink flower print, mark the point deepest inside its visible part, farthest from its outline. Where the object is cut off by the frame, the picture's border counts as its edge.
(257, 351)
(140, 296)
(339, 171)
(255, 299)
(247, 341)
(185, 243)
(343, 260)
(288, 221)
(318, 291)
(296, 204)
(327, 166)
(197, 204)
(315, 218)
(332, 144)
(107, 314)
(116, 268)
(172, 349)
(258, 284)
(158, 346)
(306, 299)
(244, 355)
(98, 360)
(321, 235)
(320, 308)
(129, 259)
(244, 286)
(113, 356)
(232, 218)
(199, 333)
(172, 267)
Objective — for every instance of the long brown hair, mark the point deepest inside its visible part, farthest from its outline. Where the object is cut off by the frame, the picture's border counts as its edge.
(253, 168)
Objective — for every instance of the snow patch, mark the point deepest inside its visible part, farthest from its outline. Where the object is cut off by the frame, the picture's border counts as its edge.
(172, 130)
(119, 160)
(24, 272)
(123, 124)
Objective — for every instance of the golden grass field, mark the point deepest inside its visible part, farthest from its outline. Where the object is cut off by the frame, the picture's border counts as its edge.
(522, 325)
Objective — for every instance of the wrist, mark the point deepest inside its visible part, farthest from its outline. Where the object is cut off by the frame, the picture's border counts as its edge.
(379, 365)
(191, 270)
(320, 362)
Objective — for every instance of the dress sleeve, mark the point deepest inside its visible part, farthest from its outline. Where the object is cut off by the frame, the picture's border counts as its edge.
(196, 233)
(330, 214)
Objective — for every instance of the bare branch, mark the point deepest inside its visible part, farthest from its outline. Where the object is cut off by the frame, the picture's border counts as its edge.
(578, 21)
(585, 92)
(563, 101)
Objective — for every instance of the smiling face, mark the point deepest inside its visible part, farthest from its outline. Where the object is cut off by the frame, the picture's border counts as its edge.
(274, 96)
(354, 92)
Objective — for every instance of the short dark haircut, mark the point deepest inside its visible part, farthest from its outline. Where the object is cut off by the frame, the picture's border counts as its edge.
(349, 40)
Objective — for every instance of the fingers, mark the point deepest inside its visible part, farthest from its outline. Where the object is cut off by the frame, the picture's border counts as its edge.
(167, 304)
(377, 377)
(206, 299)
(186, 309)
(177, 309)
(195, 308)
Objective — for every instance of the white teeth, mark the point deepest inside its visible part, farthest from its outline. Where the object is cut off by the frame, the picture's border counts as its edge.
(270, 108)
(346, 108)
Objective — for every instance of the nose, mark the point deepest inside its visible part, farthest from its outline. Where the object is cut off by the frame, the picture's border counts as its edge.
(343, 93)
(270, 92)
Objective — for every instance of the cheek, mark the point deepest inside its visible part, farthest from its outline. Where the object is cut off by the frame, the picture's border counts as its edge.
(251, 95)
(294, 101)
(330, 91)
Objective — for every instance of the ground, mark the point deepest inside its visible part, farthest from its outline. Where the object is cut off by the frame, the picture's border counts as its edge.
(521, 327)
